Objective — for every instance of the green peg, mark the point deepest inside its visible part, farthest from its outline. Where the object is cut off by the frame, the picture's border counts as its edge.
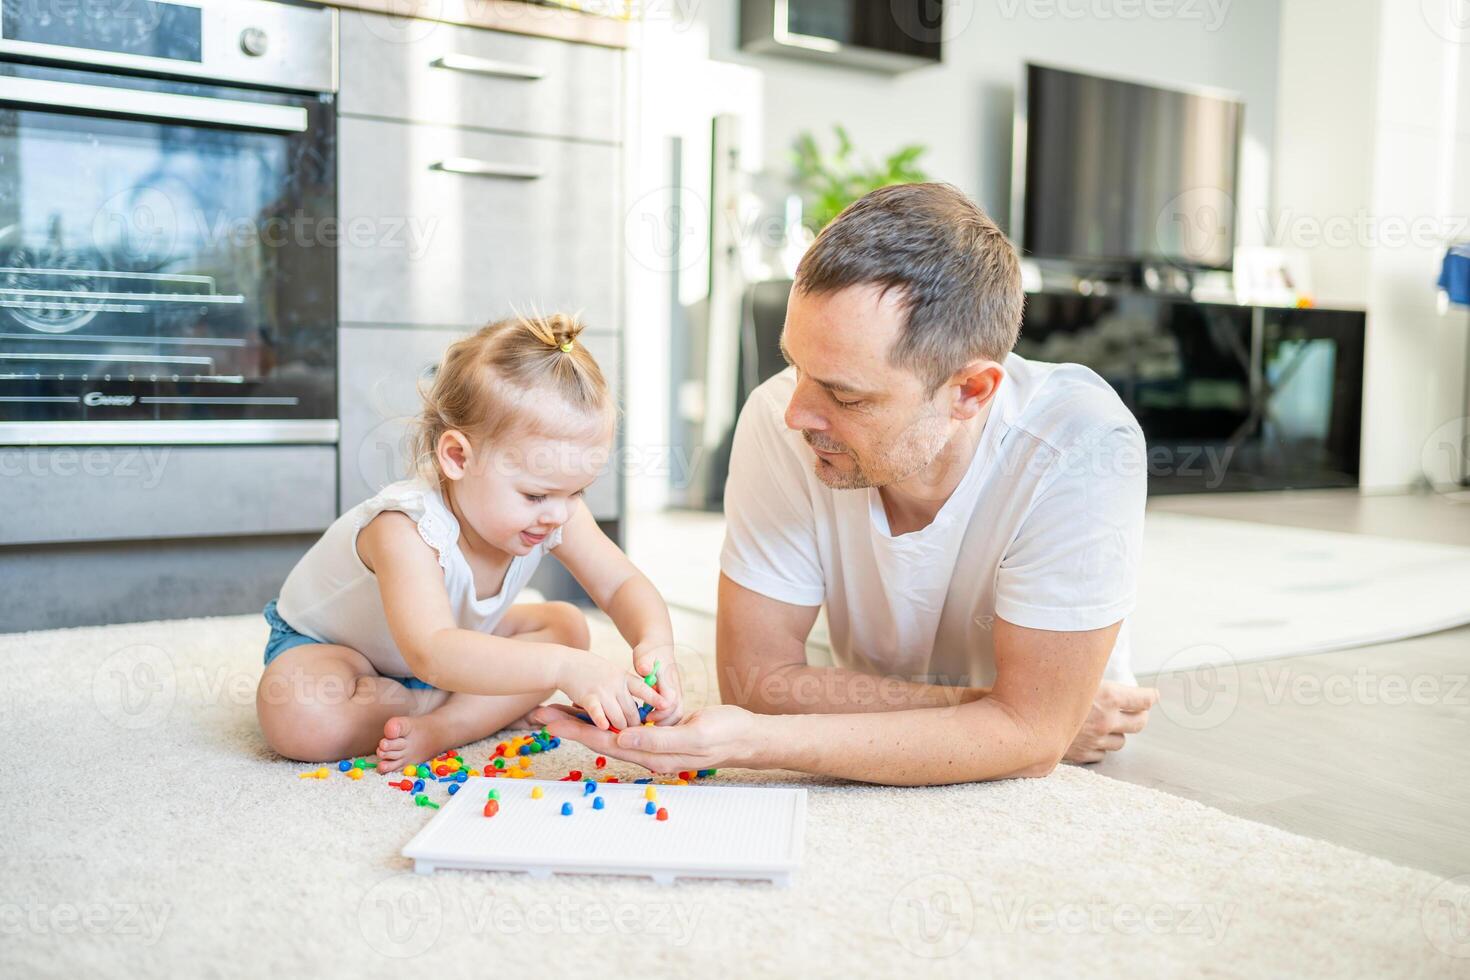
(652, 679)
(494, 795)
(423, 800)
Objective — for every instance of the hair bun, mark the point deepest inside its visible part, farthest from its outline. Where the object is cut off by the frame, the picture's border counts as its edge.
(557, 331)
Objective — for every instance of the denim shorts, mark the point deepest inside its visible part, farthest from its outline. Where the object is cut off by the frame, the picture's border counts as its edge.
(284, 637)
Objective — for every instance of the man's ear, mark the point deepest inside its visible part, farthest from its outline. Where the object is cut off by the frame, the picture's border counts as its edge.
(974, 385)
(453, 453)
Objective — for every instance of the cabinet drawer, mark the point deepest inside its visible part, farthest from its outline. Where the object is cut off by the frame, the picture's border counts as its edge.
(451, 227)
(116, 493)
(465, 76)
(379, 371)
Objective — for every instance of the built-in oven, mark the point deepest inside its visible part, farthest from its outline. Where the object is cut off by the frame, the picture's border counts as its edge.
(168, 224)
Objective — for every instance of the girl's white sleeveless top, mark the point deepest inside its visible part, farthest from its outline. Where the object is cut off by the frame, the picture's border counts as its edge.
(331, 595)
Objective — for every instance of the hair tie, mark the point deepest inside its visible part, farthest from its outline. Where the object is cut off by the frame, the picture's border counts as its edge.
(566, 348)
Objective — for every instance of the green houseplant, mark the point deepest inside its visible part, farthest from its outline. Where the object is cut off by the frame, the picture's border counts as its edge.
(830, 183)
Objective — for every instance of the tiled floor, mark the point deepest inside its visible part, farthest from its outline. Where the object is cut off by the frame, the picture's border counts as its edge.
(1369, 748)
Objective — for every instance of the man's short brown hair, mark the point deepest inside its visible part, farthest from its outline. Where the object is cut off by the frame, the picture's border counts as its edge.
(958, 276)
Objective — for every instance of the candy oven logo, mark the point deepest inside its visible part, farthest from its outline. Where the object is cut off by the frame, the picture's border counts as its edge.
(95, 398)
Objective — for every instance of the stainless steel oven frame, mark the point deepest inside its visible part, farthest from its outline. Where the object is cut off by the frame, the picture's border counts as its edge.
(250, 43)
(246, 42)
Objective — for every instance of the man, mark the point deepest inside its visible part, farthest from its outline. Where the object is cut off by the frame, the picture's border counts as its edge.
(971, 521)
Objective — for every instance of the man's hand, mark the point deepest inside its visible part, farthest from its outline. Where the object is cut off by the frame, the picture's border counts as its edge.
(1117, 710)
(712, 737)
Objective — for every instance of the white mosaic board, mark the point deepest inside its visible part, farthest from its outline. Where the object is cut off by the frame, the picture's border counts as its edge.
(713, 831)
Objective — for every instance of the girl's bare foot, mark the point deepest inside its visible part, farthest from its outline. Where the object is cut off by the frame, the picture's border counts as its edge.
(407, 741)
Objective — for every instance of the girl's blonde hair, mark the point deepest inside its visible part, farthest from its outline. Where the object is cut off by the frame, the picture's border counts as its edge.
(498, 380)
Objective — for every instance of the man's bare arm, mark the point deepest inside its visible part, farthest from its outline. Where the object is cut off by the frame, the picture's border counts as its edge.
(1045, 683)
(760, 652)
(1044, 687)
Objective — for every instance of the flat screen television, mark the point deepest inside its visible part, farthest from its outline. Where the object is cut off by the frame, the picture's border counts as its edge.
(1113, 171)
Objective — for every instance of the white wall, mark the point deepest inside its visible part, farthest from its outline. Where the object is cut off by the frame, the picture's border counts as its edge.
(962, 110)
(1374, 183)
(1324, 155)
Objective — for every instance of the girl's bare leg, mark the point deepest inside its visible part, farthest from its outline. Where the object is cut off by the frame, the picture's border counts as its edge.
(461, 718)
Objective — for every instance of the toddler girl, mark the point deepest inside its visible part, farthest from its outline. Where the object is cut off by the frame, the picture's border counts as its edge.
(396, 632)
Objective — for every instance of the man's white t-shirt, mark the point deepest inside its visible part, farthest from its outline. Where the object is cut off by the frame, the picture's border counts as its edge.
(1044, 530)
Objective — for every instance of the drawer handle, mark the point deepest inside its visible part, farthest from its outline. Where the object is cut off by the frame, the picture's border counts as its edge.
(484, 66)
(486, 168)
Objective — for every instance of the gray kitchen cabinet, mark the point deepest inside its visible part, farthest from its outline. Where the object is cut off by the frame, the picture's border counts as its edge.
(451, 227)
(479, 176)
(464, 76)
(381, 369)
(74, 494)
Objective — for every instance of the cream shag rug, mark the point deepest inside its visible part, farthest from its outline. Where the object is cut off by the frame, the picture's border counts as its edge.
(148, 830)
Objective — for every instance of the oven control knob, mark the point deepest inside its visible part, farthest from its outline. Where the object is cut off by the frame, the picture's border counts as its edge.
(253, 41)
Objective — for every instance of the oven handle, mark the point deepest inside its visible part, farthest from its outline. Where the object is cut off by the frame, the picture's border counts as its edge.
(485, 66)
(165, 106)
(470, 167)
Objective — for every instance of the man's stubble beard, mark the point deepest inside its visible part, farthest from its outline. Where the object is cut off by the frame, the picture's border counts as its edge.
(912, 449)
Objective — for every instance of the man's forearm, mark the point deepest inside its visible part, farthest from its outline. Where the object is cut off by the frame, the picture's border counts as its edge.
(979, 741)
(807, 689)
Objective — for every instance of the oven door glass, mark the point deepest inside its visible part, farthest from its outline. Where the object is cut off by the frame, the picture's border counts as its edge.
(164, 259)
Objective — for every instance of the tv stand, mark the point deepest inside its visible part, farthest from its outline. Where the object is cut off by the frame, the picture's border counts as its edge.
(1230, 397)
(1164, 279)
(1152, 276)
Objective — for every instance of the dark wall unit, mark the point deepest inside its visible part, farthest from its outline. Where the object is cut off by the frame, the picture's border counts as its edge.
(883, 36)
(1229, 397)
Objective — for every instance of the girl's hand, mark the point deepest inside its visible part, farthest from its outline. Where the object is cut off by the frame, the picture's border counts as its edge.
(713, 737)
(651, 652)
(608, 693)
